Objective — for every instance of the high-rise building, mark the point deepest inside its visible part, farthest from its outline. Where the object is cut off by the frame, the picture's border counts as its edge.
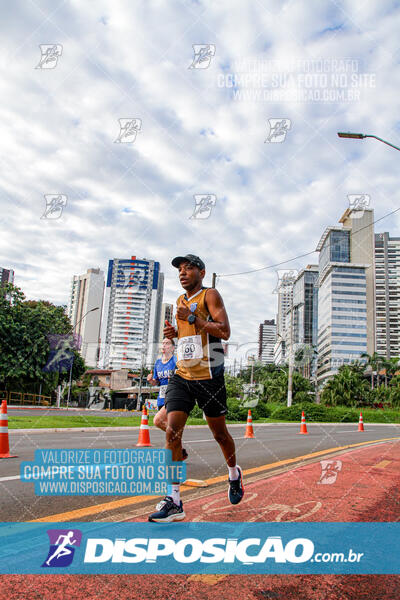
(131, 316)
(6, 276)
(284, 290)
(87, 294)
(387, 272)
(346, 298)
(167, 313)
(266, 342)
(305, 306)
(362, 250)
(280, 351)
(305, 319)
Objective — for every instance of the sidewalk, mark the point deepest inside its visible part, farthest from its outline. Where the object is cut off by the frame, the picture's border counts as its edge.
(358, 485)
(367, 488)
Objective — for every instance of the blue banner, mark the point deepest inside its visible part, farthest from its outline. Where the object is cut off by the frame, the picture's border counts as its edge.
(187, 548)
(102, 472)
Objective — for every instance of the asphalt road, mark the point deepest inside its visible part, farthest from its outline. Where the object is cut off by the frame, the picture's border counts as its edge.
(273, 442)
(73, 412)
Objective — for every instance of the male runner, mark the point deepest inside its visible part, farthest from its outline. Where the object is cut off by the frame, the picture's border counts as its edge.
(202, 322)
(164, 368)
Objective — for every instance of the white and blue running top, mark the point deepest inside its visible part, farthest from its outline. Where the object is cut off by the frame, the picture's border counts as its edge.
(161, 373)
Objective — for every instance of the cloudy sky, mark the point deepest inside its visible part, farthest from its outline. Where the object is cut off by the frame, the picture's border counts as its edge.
(202, 128)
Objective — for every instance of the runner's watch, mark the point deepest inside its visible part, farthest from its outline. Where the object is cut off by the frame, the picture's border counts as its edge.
(191, 318)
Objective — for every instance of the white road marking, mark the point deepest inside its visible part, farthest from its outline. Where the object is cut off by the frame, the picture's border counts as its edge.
(209, 440)
(185, 441)
(354, 430)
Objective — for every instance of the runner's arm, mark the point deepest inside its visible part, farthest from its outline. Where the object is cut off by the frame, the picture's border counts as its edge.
(169, 331)
(151, 379)
(219, 326)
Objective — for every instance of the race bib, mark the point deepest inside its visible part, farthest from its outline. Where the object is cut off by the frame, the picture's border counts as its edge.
(190, 347)
(163, 389)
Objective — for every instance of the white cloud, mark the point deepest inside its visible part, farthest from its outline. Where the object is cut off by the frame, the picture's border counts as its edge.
(131, 60)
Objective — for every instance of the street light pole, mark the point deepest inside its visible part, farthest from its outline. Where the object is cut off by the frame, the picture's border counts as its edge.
(141, 365)
(141, 375)
(70, 381)
(361, 136)
(290, 373)
(290, 362)
(72, 363)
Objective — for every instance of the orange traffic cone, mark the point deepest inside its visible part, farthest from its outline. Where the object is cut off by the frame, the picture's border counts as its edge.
(361, 423)
(4, 444)
(303, 426)
(249, 426)
(144, 434)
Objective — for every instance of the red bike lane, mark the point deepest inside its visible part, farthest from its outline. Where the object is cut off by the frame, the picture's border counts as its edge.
(358, 485)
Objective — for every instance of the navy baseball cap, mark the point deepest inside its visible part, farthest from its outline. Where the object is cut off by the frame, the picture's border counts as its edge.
(194, 260)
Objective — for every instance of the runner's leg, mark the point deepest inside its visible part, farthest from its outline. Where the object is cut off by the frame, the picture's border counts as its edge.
(160, 419)
(224, 438)
(175, 426)
(171, 508)
(176, 423)
(227, 445)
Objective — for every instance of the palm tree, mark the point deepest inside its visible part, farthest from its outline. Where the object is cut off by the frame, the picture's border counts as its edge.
(346, 387)
(357, 367)
(368, 363)
(394, 392)
(376, 362)
(392, 366)
(275, 386)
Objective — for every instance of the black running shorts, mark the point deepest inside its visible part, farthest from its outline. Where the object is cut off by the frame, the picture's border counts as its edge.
(210, 395)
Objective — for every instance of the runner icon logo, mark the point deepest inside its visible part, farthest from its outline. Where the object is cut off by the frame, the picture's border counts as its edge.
(50, 53)
(61, 551)
(203, 53)
(278, 129)
(330, 470)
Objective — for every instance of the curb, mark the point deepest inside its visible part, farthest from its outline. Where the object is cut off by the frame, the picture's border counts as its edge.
(69, 429)
(136, 427)
(29, 407)
(72, 409)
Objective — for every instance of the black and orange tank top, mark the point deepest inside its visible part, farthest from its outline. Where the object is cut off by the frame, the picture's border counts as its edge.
(200, 355)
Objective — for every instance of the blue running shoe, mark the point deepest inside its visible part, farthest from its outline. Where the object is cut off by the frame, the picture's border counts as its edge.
(236, 489)
(167, 511)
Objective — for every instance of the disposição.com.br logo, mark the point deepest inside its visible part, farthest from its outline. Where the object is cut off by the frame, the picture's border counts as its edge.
(62, 547)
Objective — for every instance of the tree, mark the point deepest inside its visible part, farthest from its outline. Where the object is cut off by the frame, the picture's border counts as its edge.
(301, 388)
(376, 362)
(394, 390)
(276, 386)
(394, 396)
(357, 367)
(381, 395)
(395, 381)
(347, 387)
(304, 356)
(26, 328)
(77, 391)
(233, 386)
(78, 368)
(392, 366)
